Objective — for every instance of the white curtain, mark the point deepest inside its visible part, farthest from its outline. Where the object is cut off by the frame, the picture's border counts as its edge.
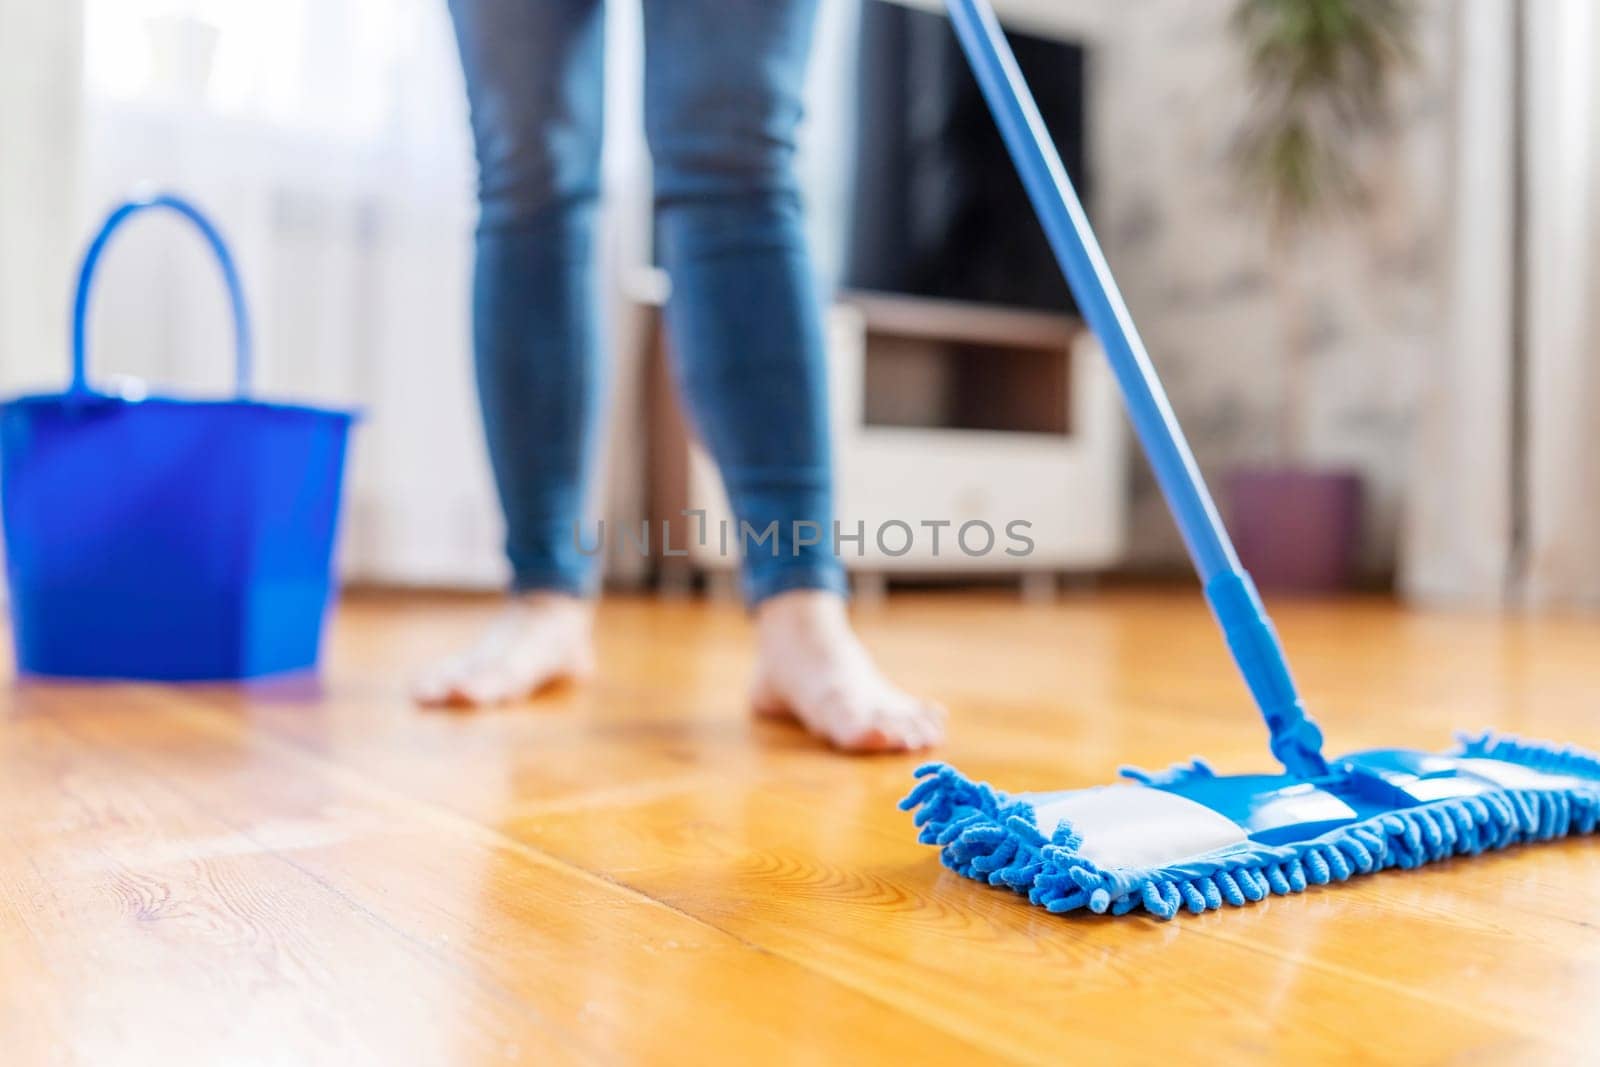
(1506, 492)
(40, 71)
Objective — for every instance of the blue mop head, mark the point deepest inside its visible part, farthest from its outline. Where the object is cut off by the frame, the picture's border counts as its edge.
(1187, 837)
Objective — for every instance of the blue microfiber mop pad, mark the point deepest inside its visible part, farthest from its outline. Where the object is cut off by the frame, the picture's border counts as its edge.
(1188, 838)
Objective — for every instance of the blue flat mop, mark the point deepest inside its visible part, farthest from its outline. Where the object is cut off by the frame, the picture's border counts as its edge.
(1187, 837)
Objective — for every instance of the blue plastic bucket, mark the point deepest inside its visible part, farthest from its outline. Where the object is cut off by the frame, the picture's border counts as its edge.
(166, 538)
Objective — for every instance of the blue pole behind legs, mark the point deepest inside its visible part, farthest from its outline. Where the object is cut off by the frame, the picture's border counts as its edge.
(1296, 741)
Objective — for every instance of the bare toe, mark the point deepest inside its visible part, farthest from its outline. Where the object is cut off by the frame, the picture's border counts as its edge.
(814, 669)
(537, 640)
(870, 742)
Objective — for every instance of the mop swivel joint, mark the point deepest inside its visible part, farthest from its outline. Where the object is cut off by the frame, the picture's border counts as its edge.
(1296, 739)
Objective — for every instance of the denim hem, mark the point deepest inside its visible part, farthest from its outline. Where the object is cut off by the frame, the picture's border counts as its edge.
(771, 581)
(550, 581)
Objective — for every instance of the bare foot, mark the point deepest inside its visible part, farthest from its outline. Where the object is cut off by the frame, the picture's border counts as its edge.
(814, 669)
(539, 639)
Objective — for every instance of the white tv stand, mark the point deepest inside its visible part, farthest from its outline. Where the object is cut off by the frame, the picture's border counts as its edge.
(943, 412)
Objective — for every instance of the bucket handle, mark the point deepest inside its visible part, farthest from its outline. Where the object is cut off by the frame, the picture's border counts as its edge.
(230, 275)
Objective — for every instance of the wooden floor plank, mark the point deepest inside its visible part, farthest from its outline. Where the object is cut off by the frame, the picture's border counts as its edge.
(627, 871)
(173, 938)
(617, 965)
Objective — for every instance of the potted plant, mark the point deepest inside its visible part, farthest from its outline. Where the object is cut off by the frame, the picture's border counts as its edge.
(1320, 72)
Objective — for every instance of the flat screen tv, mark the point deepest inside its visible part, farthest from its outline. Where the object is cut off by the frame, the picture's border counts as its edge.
(937, 209)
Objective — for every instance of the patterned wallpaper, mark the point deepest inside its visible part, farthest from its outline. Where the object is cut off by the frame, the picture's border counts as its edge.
(1213, 298)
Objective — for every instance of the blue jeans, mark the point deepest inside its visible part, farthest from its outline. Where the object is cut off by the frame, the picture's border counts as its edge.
(722, 102)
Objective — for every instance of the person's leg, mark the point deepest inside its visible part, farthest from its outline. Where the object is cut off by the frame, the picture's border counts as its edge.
(723, 83)
(534, 71)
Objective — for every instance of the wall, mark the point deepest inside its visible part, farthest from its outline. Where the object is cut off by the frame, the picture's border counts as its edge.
(1214, 301)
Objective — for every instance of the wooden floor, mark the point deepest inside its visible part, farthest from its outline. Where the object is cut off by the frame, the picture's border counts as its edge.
(635, 872)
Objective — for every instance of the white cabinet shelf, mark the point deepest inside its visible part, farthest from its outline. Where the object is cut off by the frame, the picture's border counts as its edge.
(1042, 443)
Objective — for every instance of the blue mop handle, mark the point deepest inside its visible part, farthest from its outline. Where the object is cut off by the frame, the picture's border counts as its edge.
(1296, 741)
